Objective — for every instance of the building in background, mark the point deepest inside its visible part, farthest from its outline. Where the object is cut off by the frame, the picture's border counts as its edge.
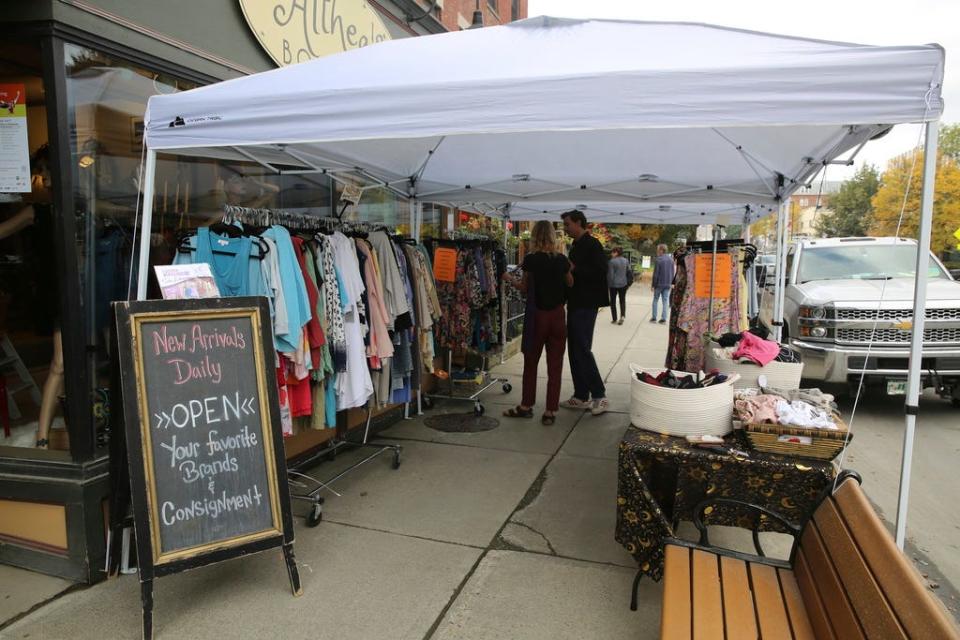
(458, 14)
(808, 204)
(79, 75)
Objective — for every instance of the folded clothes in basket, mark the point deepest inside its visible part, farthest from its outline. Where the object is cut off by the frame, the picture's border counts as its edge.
(688, 381)
(749, 348)
(801, 408)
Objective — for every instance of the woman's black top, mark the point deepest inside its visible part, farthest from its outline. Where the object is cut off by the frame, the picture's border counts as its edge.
(549, 272)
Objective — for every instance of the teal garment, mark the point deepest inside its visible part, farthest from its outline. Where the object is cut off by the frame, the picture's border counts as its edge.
(330, 405)
(330, 402)
(344, 298)
(294, 289)
(229, 260)
(233, 275)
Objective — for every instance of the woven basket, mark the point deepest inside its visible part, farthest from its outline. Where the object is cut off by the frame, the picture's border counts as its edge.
(681, 412)
(780, 375)
(824, 444)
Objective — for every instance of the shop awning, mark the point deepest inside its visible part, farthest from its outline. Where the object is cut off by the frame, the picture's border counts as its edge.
(562, 110)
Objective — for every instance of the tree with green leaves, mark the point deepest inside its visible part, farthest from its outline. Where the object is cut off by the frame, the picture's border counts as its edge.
(851, 210)
(950, 141)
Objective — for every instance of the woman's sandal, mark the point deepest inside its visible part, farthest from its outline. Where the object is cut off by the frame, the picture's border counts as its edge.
(43, 443)
(518, 412)
(548, 420)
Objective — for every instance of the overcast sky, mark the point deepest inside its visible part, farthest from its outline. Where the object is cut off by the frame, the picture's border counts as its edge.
(862, 21)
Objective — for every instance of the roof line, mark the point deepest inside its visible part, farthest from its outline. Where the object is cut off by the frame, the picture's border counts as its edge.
(546, 19)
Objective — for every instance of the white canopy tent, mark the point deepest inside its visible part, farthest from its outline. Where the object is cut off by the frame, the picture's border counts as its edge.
(561, 110)
(644, 212)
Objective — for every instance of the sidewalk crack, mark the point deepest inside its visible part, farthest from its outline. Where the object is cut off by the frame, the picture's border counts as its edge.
(545, 539)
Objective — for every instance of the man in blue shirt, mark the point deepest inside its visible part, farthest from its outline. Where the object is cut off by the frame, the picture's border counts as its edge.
(662, 282)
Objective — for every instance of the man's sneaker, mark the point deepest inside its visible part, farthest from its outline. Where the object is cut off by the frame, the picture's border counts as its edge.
(620, 321)
(576, 403)
(600, 407)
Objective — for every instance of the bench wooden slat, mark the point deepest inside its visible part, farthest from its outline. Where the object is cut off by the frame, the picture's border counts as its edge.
(824, 576)
(675, 612)
(816, 611)
(771, 609)
(707, 599)
(919, 613)
(799, 617)
(738, 609)
(870, 605)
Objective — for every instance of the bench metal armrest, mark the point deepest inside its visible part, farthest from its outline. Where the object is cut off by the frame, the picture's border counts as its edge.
(792, 529)
(719, 551)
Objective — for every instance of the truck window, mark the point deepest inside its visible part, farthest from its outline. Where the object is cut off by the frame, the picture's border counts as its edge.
(865, 262)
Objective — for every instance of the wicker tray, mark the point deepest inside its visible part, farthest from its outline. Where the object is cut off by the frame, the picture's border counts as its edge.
(823, 444)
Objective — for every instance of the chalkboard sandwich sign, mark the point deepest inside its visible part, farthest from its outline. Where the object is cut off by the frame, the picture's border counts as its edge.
(205, 450)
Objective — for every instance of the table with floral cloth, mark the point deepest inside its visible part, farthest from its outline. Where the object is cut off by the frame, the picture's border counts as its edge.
(661, 479)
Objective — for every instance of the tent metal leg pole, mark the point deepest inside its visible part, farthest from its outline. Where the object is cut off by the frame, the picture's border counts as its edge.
(751, 273)
(782, 235)
(776, 281)
(412, 211)
(146, 223)
(919, 312)
(713, 278)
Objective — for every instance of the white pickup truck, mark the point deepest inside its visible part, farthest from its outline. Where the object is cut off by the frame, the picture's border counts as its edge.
(844, 295)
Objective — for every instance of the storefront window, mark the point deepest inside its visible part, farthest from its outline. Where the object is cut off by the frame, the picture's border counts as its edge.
(434, 220)
(377, 205)
(107, 99)
(31, 361)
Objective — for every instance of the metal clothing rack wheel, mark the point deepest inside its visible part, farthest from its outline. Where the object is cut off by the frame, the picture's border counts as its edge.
(297, 478)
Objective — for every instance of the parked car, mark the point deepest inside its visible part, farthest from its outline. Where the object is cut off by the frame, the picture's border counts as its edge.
(951, 260)
(765, 266)
(834, 314)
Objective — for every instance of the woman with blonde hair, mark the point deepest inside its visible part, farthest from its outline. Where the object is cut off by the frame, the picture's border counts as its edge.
(546, 276)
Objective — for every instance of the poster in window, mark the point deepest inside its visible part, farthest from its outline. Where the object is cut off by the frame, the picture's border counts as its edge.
(14, 148)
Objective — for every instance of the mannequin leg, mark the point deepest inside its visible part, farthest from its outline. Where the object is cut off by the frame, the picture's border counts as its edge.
(51, 391)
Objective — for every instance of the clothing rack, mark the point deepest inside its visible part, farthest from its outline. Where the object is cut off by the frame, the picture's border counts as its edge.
(485, 378)
(297, 478)
(304, 487)
(716, 245)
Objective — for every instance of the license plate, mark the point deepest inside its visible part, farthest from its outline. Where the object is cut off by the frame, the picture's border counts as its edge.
(896, 387)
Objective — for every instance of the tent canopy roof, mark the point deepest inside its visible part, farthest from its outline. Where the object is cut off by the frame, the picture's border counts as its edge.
(564, 110)
(644, 212)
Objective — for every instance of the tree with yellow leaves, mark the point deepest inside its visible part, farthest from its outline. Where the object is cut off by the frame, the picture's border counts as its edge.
(888, 200)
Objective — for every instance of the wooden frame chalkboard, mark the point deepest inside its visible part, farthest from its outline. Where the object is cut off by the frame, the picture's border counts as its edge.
(203, 438)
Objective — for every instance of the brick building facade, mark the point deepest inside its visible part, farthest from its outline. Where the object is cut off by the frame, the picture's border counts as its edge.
(457, 14)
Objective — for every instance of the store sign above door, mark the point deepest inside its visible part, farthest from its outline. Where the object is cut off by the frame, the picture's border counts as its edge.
(293, 31)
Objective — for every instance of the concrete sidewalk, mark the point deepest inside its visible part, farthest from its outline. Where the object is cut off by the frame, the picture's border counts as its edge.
(506, 533)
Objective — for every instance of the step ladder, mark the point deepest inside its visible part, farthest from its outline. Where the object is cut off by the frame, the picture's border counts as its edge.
(10, 360)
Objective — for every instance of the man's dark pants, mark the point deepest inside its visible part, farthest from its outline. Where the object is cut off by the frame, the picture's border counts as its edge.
(587, 381)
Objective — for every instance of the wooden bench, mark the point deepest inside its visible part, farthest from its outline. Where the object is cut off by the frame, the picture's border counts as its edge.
(845, 580)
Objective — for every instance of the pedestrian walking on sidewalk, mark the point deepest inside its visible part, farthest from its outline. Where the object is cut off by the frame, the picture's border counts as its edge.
(584, 299)
(663, 270)
(546, 277)
(618, 281)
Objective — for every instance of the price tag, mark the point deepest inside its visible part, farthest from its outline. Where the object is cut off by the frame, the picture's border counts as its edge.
(351, 193)
(722, 283)
(445, 264)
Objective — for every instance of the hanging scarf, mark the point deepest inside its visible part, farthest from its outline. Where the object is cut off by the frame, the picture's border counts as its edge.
(334, 308)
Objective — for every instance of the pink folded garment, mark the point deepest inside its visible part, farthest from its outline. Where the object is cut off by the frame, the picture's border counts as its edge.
(757, 349)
